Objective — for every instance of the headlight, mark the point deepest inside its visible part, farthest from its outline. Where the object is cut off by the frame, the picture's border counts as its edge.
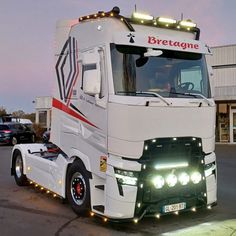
(184, 178)
(196, 177)
(126, 177)
(171, 180)
(158, 181)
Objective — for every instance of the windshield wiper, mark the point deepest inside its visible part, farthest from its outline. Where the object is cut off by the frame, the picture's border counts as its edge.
(148, 93)
(196, 95)
(156, 95)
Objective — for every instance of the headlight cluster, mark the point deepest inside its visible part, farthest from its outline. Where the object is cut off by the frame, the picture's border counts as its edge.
(126, 177)
(171, 179)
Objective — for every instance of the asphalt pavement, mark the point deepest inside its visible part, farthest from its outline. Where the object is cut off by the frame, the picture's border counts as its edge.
(28, 211)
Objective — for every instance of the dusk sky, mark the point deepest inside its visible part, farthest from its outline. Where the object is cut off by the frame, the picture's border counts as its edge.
(27, 30)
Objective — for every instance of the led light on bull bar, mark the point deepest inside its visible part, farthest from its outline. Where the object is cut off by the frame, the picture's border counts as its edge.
(196, 177)
(171, 180)
(163, 166)
(165, 20)
(141, 16)
(158, 181)
(184, 178)
(188, 23)
(126, 177)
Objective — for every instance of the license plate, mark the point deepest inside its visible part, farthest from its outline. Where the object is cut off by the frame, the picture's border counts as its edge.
(174, 207)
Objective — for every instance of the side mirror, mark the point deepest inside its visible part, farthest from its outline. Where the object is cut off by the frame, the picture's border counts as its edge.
(91, 73)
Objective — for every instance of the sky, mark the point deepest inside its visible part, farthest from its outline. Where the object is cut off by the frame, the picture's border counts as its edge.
(27, 30)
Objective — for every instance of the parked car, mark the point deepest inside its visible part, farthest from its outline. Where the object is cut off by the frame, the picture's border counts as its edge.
(13, 133)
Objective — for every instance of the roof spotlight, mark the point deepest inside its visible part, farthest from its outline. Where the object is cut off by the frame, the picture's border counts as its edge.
(165, 20)
(141, 16)
(188, 23)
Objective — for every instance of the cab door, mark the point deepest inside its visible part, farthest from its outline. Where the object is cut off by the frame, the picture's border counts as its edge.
(93, 103)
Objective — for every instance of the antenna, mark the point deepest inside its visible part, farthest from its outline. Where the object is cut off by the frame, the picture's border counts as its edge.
(135, 8)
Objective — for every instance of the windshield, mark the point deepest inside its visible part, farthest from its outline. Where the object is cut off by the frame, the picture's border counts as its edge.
(172, 74)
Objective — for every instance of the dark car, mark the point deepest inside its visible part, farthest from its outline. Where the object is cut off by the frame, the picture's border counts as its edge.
(13, 133)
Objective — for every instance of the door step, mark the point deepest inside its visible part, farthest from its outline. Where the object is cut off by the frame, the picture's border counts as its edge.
(99, 208)
(101, 187)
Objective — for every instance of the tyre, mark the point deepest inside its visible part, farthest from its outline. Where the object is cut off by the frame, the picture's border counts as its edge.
(19, 176)
(78, 189)
(14, 141)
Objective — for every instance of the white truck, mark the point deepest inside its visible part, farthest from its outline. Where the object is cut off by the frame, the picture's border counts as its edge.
(133, 116)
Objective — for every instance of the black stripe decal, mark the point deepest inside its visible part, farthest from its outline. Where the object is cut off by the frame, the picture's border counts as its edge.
(57, 69)
(75, 108)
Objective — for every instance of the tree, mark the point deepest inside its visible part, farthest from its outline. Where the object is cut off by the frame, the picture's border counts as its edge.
(3, 111)
(19, 114)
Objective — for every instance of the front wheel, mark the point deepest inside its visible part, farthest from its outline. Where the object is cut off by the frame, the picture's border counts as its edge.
(78, 189)
(19, 176)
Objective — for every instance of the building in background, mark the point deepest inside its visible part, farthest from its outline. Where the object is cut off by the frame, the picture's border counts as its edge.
(223, 62)
(43, 107)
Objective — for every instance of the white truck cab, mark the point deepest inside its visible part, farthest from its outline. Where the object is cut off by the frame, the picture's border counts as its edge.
(133, 117)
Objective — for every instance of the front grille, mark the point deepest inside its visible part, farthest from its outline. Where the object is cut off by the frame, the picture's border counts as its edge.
(165, 156)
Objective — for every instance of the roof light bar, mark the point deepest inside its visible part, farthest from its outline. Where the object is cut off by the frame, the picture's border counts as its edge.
(141, 16)
(188, 23)
(166, 20)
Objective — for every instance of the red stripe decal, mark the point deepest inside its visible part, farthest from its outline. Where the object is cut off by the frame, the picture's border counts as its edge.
(59, 105)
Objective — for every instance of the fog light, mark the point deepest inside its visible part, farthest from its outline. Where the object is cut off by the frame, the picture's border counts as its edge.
(158, 181)
(171, 180)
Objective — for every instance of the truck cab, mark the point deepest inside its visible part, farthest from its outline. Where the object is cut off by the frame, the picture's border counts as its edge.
(133, 116)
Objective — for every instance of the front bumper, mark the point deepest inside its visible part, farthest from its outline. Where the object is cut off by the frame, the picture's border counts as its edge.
(135, 202)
